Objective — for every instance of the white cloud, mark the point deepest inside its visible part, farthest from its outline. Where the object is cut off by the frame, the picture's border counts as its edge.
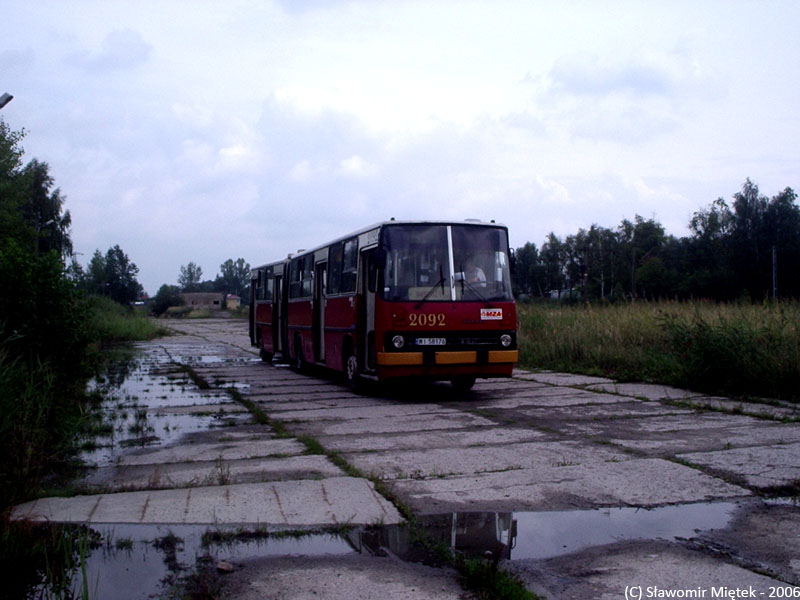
(120, 50)
(202, 131)
(355, 167)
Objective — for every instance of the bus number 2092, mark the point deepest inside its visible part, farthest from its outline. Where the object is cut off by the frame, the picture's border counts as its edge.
(426, 320)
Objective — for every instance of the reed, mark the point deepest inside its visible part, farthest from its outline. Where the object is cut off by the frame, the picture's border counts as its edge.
(732, 349)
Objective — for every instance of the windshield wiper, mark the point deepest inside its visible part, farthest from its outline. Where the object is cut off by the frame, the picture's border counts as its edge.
(472, 288)
(433, 288)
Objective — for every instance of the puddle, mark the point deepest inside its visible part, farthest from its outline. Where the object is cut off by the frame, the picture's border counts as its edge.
(546, 535)
(210, 359)
(142, 397)
(540, 535)
(135, 562)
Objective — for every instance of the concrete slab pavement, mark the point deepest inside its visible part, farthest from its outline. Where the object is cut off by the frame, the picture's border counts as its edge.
(335, 500)
(540, 442)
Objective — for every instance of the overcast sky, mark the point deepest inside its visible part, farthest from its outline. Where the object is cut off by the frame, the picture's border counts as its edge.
(202, 131)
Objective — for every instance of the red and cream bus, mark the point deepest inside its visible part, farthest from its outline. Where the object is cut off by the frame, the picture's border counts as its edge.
(397, 299)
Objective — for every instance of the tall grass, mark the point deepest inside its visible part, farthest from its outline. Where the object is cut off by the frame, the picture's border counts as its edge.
(112, 322)
(36, 427)
(732, 349)
(43, 411)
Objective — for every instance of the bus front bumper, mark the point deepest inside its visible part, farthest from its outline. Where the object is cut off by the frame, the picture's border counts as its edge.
(462, 357)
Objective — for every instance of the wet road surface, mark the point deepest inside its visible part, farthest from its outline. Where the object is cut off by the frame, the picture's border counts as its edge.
(584, 487)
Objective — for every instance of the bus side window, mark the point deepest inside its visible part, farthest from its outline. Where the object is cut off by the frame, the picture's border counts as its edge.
(268, 283)
(350, 266)
(335, 260)
(373, 270)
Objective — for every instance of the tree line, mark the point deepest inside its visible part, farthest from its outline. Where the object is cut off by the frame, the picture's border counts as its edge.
(233, 278)
(749, 249)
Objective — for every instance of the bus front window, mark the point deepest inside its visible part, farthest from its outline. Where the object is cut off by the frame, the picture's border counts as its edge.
(418, 260)
(417, 263)
(480, 258)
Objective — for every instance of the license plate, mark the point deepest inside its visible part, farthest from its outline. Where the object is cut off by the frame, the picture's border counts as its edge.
(431, 341)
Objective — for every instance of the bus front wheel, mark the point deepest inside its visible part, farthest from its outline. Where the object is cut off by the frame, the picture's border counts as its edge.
(462, 383)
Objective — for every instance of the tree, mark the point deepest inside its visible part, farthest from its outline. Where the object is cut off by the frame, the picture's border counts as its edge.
(43, 210)
(234, 277)
(782, 224)
(190, 277)
(642, 239)
(120, 277)
(113, 275)
(749, 244)
(167, 295)
(95, 280)
(42, 318)
(44, 325)
(553, 261)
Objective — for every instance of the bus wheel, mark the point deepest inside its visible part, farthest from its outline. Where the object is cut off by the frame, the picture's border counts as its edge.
(265, 356)
(299, 361)
(351, 371)
(462, 383)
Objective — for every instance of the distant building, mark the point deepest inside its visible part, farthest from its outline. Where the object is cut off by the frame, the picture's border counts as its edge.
(207, 300)
(233, 301)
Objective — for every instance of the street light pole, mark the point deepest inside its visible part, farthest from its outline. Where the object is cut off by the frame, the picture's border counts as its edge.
(5, 99)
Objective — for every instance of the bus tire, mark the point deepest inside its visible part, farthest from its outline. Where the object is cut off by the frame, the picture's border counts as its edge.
(352, 371)
(265, 356)
(462, 383)
(299, 361)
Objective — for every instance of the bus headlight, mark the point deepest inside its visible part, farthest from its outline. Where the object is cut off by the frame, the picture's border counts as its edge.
(398, 341)
(505, 339)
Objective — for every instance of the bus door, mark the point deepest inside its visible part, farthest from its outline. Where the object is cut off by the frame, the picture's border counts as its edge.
(277, 316)
(318, 318)
(369, 267)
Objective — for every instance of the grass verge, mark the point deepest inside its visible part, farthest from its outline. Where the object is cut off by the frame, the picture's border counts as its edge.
(738, 350)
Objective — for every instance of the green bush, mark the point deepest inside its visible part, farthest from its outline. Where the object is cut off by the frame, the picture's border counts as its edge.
(112, 322)
(42, 317)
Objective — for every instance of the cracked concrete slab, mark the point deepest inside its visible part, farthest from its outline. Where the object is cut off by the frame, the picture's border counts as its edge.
(460, 438)
(561, 379)
(771, 466)
(288, 503)
(641, 570)
(443, 462)
(226, 450)
(217, 472)
(636, 482)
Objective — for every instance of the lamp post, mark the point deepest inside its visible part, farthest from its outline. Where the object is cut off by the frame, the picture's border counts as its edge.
(5, 99)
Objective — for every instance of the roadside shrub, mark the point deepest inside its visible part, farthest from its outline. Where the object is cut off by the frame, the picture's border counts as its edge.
(168, 296)
(42, 317)
(113, 322)
(178, 311)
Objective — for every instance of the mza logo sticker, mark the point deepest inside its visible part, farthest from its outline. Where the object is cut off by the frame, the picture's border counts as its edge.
(491, 314)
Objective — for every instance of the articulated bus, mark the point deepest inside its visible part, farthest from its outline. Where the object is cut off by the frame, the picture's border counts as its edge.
(397, 299)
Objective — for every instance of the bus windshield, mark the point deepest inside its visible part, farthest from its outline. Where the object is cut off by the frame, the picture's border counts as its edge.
(445, 263)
